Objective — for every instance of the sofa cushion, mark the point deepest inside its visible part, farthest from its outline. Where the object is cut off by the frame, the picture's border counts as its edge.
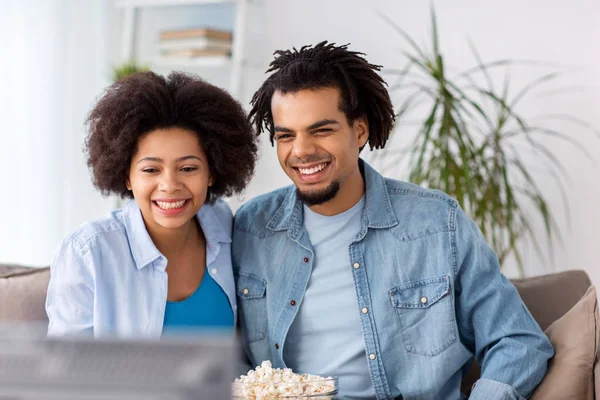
(575, 339)
(549, 297)
(23, 293)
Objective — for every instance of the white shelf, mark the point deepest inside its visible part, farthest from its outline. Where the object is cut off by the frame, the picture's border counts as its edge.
(164, 3)
(234, 65)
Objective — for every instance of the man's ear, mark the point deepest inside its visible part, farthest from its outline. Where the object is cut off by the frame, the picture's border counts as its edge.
(361, 128)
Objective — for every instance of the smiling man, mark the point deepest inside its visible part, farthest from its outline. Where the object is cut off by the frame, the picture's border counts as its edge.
(387, 285)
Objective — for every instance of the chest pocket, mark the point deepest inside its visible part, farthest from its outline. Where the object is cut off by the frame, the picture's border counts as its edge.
(252, 301)
(426, 314)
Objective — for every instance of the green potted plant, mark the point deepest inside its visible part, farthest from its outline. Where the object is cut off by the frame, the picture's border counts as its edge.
(127, 68)
(466, 144)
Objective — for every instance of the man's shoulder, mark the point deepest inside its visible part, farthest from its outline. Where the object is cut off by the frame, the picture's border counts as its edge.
(254, 215)
(406, 191)
(420, 204)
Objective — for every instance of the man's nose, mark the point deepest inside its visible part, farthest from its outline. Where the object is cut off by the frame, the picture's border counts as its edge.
(303, 146)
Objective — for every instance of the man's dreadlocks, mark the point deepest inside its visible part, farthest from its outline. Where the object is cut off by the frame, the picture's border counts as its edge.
(362, 90)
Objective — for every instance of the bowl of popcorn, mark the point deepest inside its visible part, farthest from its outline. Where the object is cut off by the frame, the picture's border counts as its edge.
(267, 383)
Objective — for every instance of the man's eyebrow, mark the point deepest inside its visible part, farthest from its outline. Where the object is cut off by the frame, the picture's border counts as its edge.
(158, 159)
(321, 123)
(312, 126)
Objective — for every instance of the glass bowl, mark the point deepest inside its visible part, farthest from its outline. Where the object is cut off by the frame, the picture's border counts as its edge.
(289, 390)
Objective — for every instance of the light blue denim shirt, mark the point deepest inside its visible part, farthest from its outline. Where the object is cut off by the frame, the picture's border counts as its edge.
(432, 288)
(108, 278)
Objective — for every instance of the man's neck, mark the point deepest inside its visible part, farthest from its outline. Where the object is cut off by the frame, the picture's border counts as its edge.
(350, 193)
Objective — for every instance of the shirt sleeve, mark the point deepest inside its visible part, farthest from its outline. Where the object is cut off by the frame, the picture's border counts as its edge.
(70, 298)
(493, 321)
(485, 389)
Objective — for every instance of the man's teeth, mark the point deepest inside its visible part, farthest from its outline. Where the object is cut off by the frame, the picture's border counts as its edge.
(170, 205)
(313, 170)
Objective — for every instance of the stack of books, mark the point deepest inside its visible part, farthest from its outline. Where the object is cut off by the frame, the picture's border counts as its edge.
(194, 43)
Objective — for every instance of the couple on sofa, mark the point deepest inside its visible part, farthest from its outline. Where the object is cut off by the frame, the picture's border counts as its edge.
(389, 286)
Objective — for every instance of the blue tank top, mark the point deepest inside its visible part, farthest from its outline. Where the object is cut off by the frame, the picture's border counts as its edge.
(207, 307)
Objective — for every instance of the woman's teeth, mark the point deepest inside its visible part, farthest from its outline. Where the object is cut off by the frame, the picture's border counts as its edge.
(170, 205)
(313, 170)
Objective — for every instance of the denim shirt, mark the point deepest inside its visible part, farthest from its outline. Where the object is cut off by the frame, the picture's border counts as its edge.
(109, 279)
(432, 287)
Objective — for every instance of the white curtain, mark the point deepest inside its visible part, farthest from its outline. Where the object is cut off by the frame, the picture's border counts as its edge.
(53, 64)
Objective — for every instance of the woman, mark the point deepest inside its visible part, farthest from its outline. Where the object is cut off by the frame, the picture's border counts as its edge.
(175, 146)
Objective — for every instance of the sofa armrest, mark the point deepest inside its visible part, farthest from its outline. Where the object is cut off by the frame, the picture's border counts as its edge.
(23, 293)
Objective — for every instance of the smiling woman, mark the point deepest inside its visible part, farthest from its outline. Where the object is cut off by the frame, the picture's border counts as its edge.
(175, 146)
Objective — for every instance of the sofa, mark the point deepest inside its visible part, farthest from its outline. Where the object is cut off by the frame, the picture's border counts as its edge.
(564, 304)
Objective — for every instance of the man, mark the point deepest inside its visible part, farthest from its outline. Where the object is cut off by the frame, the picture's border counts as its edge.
(382, 283)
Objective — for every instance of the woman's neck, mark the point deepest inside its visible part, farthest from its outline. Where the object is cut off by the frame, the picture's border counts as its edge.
(171, 242)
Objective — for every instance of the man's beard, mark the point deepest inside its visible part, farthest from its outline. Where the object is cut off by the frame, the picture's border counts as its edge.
(313, 198)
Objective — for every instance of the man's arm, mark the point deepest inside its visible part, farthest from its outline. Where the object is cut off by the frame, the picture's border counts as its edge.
(493, 321)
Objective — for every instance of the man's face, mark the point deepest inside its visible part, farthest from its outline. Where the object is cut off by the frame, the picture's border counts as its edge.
(316, 146)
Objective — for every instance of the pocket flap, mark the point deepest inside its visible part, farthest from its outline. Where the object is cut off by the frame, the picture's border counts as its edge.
(420, 294)
(250, 286)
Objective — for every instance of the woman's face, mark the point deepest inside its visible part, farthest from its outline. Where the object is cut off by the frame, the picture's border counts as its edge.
(169, 177)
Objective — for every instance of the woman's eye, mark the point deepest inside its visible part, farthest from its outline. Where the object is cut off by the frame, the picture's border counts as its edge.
(188, 169)
(149, 170)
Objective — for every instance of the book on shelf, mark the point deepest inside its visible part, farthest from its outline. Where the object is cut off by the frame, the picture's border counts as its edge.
(195, 53)
(185, 62)
(194, 43)
(208, 33)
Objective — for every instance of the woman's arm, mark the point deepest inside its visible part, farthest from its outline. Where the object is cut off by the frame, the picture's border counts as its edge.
(70, 299)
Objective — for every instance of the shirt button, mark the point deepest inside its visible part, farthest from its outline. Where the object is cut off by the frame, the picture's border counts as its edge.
(305, 259)
(365, 310)
(277, 346)
(356, 265)
(245, 291)
(372, 356)
(293, 302)
(213, 271)
(423, 299)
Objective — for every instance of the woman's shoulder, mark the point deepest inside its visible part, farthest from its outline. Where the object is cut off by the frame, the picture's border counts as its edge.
(102, 241)
(222, 212)
(110, 225)
(217, 220)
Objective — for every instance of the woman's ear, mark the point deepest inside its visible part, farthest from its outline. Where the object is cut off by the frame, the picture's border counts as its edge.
(211, 180)
(128, 184)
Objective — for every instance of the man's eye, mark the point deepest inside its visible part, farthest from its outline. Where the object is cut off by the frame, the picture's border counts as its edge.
(324, 130)
(284, 136)
(188, 169)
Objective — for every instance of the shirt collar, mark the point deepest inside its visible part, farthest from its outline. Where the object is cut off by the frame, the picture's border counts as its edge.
(378, 206)
(142, 247)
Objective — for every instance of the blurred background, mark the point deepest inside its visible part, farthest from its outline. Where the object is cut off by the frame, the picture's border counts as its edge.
(59, 55)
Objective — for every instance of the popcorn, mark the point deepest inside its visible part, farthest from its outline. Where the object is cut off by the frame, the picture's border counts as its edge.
(267, 383)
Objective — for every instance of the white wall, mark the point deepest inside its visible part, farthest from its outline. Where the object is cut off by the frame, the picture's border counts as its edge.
(554, 31)
(52, 69)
